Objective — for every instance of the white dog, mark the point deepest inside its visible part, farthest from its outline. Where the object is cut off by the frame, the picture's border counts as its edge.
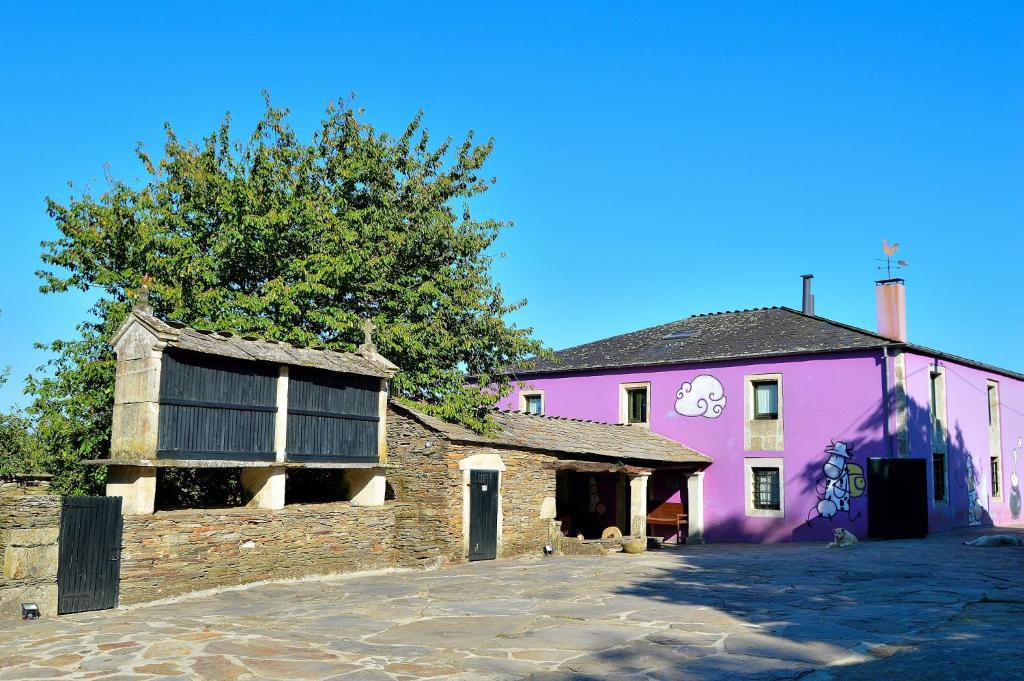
(996, 540)
(841, 539)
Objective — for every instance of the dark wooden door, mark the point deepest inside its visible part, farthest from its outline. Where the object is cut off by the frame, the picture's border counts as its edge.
(483, 515)
(897, 498)
(89, 563)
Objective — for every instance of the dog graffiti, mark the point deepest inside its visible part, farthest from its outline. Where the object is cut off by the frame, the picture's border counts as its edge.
(704, 396)
(1015, 484)
(842, 481)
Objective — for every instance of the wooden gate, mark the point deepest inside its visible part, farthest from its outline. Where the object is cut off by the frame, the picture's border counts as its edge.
(89, 563)
(483, 515)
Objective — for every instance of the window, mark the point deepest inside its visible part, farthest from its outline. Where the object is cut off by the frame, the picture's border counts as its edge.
(763, 412)
(938, 477)
(766, 400)
(635, 403)
(766, 489)
(994, 477)
(636, 399)
(993, 401)
(933, 389)
(532, 402)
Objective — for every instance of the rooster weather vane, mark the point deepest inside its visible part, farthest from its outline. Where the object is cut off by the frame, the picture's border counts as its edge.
(889, 266)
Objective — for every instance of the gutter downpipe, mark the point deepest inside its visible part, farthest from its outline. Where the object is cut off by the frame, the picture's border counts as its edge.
(887, 414)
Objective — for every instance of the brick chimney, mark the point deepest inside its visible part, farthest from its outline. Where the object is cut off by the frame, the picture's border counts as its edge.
(891, 303)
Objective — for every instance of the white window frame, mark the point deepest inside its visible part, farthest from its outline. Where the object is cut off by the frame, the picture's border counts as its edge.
(999, 465)
(753, 429)
(749, 464)
(624, 389)
(995, 436)
(523, 394)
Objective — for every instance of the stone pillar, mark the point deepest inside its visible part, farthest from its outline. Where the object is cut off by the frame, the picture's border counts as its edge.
(136, 485)
(382, 425)
(265, 487)
(136, 416)
(638, 504)
(366, 486)
(695, 510)
(281, 418)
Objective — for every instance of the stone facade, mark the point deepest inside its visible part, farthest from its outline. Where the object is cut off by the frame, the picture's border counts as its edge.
(29, 524)
(174, 552)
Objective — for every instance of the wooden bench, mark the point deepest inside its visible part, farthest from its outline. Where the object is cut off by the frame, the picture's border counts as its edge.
(672, 514)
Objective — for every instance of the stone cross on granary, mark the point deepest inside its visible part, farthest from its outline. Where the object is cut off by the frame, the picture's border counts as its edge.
(368, 326)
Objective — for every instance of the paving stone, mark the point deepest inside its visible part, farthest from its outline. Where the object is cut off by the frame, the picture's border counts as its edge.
(708, 612)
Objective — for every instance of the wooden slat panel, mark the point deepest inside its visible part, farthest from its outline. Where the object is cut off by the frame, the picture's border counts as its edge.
(220, 407)
(332, 417)
(88, 565)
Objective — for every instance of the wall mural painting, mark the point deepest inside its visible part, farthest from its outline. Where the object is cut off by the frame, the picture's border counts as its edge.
(842, 481)
(1015, 483)
(703, 396)
(967, 479)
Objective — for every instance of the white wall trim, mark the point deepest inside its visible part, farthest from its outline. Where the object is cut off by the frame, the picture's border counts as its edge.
(486, 462)
(749, 464)
(624, 403)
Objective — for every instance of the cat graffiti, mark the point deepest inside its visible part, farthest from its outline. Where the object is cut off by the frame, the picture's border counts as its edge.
(842, 481)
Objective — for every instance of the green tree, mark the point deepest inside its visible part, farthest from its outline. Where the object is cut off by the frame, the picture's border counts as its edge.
(294, 241)
(19, 448)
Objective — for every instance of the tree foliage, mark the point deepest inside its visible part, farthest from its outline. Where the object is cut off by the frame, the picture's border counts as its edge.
(292, 241)
(19, 448)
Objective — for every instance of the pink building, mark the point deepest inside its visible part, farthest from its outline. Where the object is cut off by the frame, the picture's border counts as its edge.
(811, 424)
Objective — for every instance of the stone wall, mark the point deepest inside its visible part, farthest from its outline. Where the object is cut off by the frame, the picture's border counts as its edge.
(428, 482)
(29, 525)
(428, 485)
(174, 552)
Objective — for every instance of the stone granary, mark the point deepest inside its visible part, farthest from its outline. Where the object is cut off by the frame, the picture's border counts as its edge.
(199, 399)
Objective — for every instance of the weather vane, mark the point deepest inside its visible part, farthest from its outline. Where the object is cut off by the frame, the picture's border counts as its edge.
(889, 266)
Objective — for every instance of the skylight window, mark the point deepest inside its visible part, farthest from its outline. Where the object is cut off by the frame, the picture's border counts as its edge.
(676, 335)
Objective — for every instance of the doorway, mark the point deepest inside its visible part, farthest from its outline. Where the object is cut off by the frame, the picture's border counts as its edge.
(483, 515)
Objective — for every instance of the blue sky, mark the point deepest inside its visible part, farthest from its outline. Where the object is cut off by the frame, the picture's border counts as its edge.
(657, 160)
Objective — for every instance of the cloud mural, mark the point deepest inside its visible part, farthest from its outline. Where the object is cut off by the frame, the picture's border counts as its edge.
(703, 396)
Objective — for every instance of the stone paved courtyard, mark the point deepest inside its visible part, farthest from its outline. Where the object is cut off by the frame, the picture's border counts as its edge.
(902, 610)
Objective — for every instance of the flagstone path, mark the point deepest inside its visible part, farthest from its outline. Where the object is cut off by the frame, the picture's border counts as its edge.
(923, 609)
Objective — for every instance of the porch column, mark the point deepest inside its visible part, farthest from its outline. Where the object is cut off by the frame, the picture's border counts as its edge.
(365, 486)
(136, 485)
(638, 504)
(265, 487)
(695, 496)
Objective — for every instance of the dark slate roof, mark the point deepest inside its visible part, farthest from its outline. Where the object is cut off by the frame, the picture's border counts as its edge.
(721, 336)
(566, 436)
(762, 332)
(224, 344)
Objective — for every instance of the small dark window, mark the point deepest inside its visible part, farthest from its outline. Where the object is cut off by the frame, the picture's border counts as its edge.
(534, 404)
(767, 496)
(636, 405)
(994, 470)
(939, 477)
(766, 400)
